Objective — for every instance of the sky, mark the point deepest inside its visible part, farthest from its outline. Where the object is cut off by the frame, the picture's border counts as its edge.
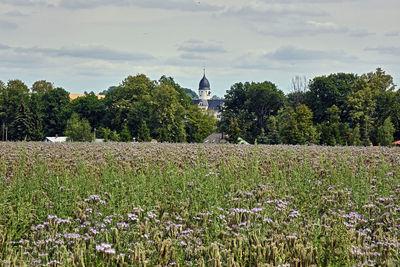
(90, 45)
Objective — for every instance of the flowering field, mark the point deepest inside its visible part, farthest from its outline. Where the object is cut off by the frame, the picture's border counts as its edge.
(198, 205)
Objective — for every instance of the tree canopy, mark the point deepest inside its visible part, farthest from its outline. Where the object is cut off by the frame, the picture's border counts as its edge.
(334, 109)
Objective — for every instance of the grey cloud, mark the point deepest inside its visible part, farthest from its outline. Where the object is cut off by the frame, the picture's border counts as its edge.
(192, 56)
(393, 34)
(10, 59)
(15, 13)
(271, 14)
(310, 1)
(8, 25)
(4, 47)
(198, 46)
(290, 53)
(301, 29)
(88, 52)
(184, 5)
(25, 2)
(360, 33)
(393, 51)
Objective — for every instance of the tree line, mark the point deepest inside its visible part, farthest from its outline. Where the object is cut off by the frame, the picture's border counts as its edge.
(337, 109)
(139, 108)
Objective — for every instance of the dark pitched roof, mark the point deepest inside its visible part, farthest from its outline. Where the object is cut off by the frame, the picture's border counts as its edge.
(213, 104)
(215, 138)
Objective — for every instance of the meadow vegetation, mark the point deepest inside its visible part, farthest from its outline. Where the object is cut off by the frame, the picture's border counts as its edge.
(123, 204)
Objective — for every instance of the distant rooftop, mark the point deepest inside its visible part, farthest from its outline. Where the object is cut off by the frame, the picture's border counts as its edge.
(75, 96)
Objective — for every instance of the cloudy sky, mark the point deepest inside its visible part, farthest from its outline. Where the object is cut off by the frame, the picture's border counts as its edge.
(93, 44)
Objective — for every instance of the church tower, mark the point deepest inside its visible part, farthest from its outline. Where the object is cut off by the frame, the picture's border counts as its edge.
(204, 88)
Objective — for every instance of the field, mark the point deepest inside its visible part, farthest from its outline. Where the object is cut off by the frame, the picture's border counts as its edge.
(118, 204)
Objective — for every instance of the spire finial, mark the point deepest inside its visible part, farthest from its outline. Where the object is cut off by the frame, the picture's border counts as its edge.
(204, 70)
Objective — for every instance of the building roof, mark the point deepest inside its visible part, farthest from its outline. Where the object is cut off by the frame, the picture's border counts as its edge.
(213, 104)
(204, 83)
(215, 138)
(56, 139)
(75, 96)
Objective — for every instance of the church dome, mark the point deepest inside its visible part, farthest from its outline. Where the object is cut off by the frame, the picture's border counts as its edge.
(204, 84)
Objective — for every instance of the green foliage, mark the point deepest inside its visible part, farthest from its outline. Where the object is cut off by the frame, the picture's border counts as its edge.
(125, 135)
(326, 91)
(192, 94)
(168, 117)
(89, 107)
(23, 125)
(250, 104)
(78, 130)
(355, 137)
(233, 131)
(144, 133)
(385, 133)
(114, 136)
(272, 137)
(199, 124)
(337, 102)
(54, 108)
(42, 86)
(333, 132)
(184, 99)
(296, 126)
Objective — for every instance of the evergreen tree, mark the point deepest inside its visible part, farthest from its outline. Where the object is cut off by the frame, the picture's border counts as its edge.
(23, 125)
(125, 135)
(114, 136)
(355, 136)
(385, 133)
(233, 131)
(273, 136)
(37, 133)
(144, 133)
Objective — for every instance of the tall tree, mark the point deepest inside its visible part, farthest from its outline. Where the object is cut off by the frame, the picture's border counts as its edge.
(199, 124)
(264, 99)
(296, 126)
(54, 109)
(42, 86)
(78, 130)
(130, 103)
(10, 98)
(23, 126)
(250, 105)
(169, 114)
(385, 133)
(362, 102)
(184, 99)
(297, 95)
(90, 107)
(143, 134)
(326, 91)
